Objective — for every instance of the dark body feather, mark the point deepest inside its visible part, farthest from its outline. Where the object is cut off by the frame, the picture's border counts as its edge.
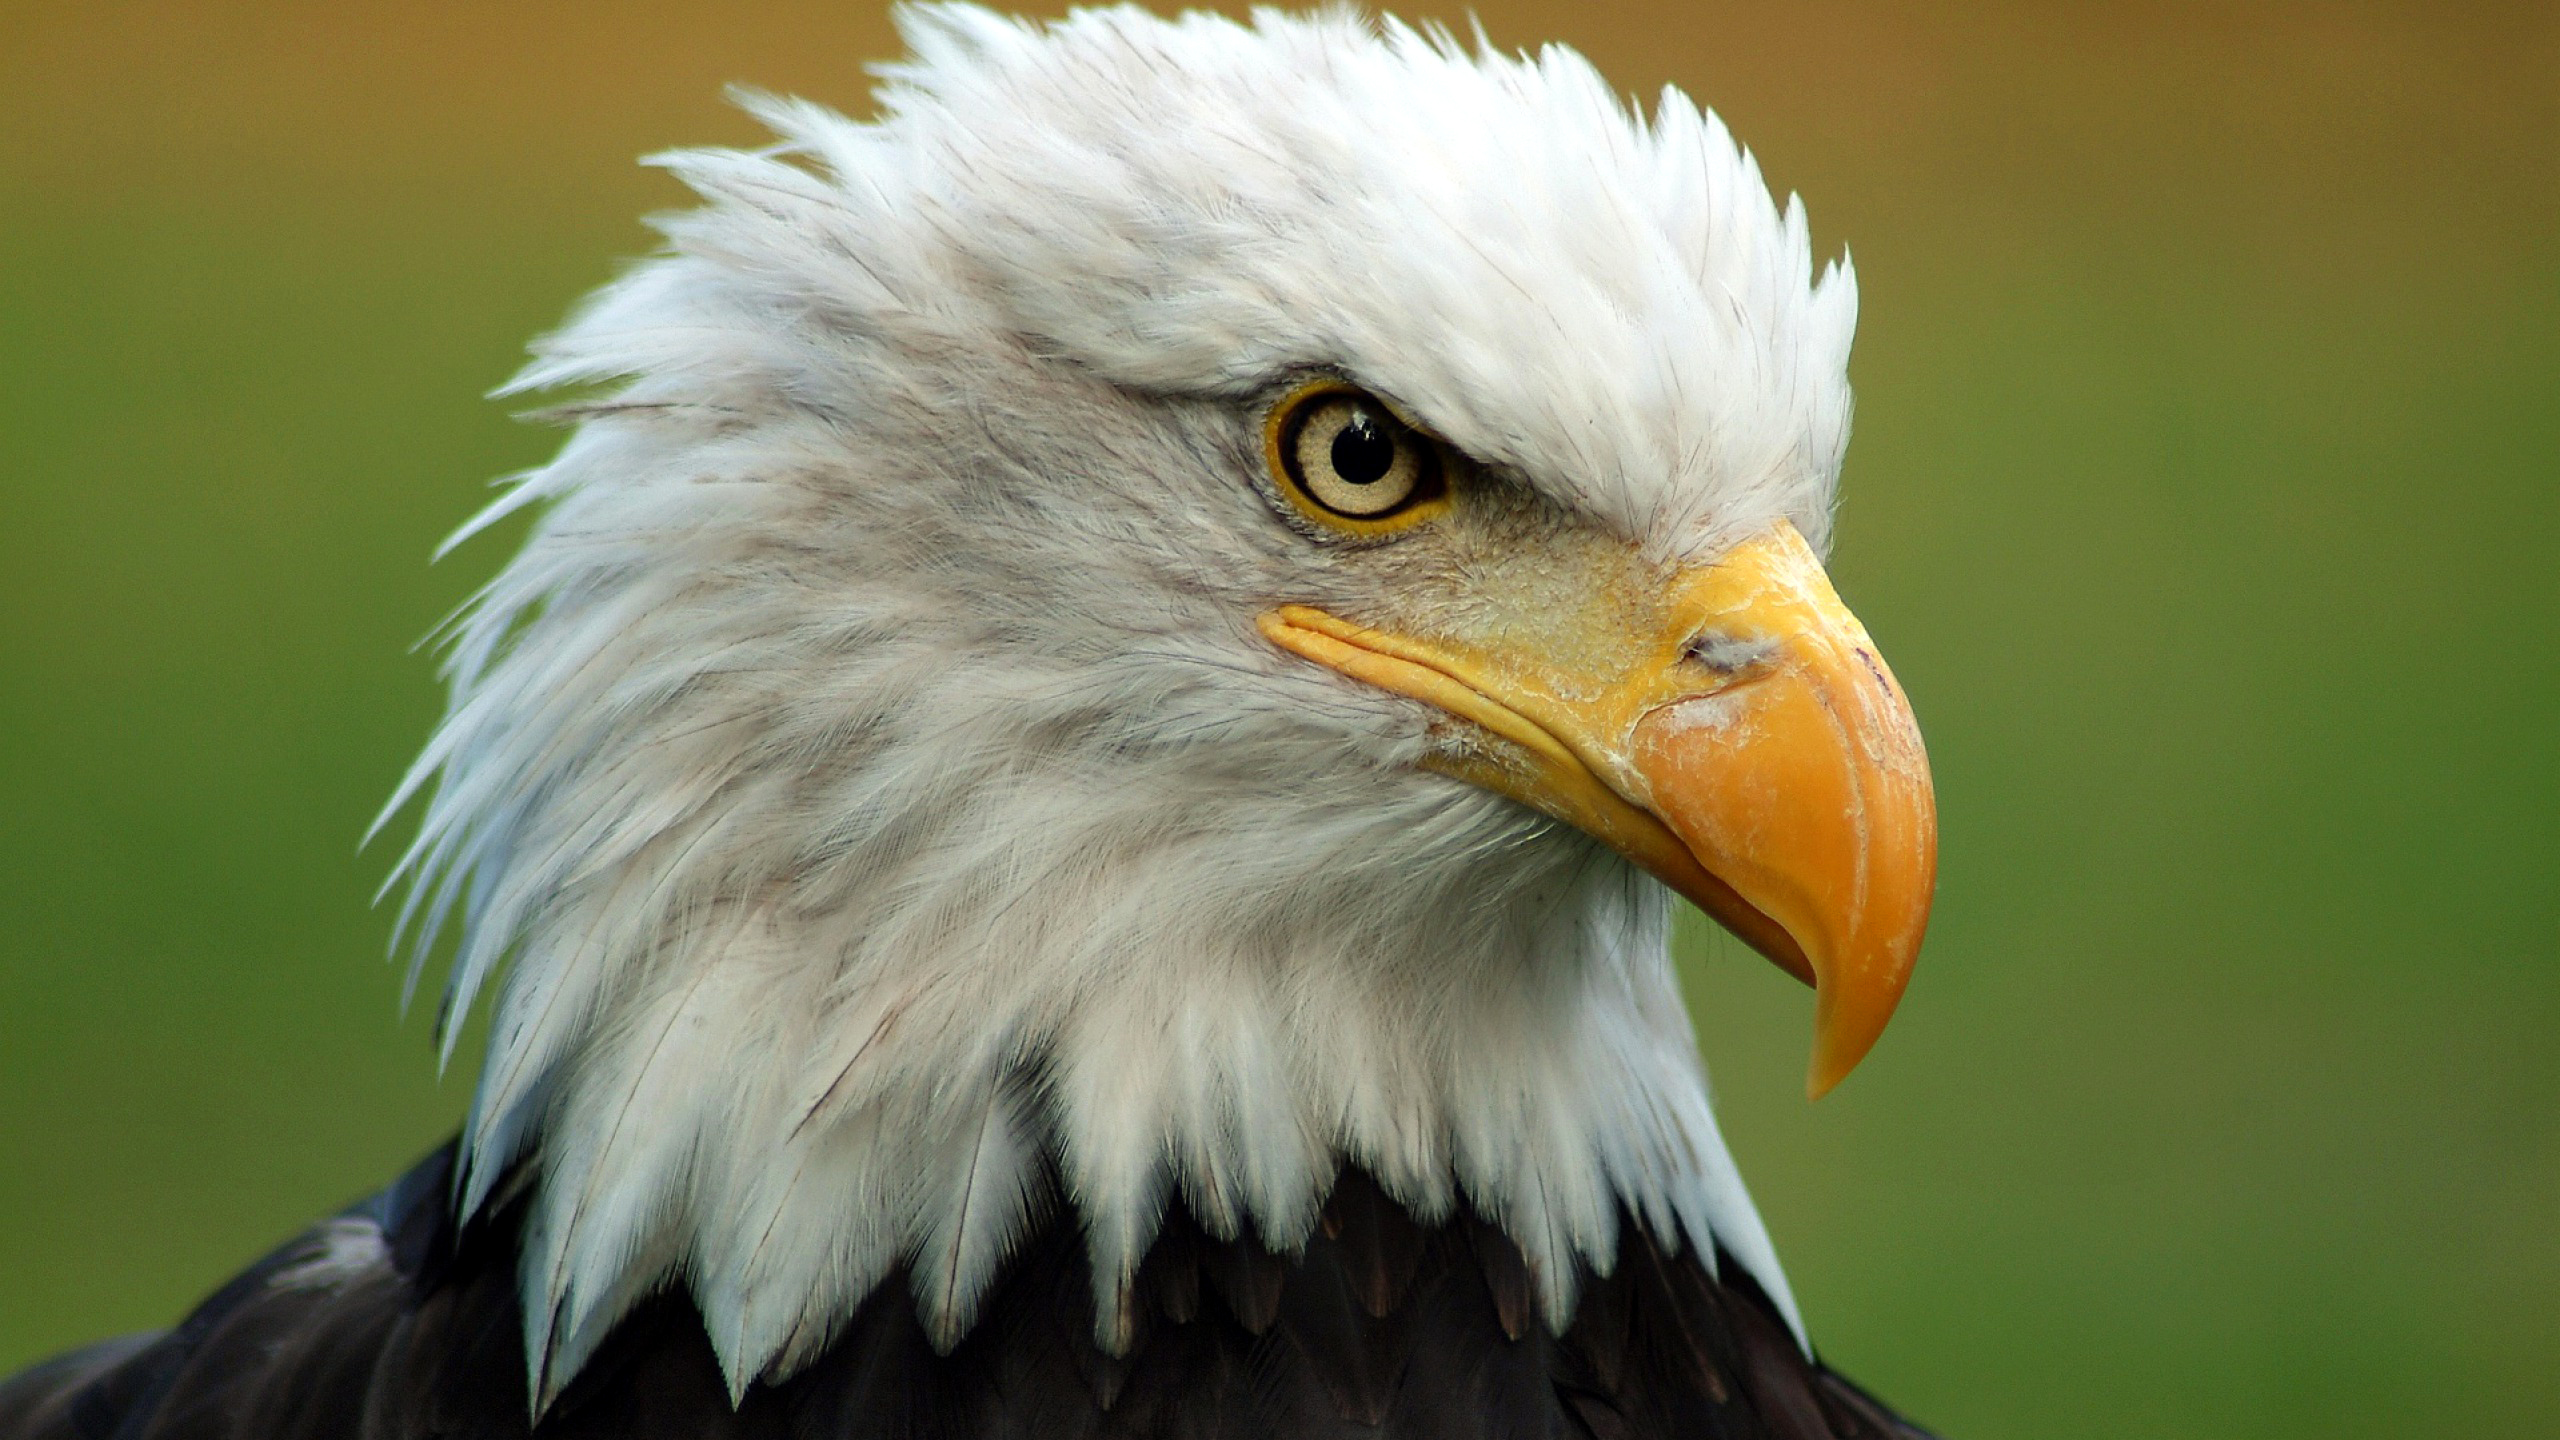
(389, 1324)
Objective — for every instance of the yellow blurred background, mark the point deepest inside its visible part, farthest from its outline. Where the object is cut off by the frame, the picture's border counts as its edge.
(2203, 494)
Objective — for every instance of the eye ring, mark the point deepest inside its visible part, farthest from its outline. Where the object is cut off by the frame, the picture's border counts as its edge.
(1347, 461)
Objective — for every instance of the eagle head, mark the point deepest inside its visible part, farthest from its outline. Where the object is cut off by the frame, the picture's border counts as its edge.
(1165, 616)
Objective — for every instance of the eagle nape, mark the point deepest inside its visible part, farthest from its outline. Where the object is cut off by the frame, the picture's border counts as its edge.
(1072, 809)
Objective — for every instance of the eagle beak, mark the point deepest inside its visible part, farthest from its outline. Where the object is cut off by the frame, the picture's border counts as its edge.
(1735, 733)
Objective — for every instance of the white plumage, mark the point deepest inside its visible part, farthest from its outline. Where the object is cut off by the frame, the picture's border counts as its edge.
(868, 777)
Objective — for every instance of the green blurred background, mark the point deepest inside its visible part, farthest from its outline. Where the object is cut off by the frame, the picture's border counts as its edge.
(2209, 422)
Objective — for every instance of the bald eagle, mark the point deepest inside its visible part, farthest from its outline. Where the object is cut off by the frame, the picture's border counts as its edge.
(1074, 806)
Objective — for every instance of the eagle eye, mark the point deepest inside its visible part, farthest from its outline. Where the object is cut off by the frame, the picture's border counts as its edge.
(1347, 461)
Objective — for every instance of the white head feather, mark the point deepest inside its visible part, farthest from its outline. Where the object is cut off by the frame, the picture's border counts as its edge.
(869, 769)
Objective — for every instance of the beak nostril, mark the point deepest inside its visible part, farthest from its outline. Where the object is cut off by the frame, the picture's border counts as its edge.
(1727, 654)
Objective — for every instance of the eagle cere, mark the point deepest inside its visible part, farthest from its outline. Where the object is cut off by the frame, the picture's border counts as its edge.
(1124, 659)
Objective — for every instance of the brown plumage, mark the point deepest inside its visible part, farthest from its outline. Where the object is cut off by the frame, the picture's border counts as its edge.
(389, 1324)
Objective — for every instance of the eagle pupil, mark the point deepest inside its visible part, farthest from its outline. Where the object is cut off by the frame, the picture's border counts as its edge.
(1363, 451)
